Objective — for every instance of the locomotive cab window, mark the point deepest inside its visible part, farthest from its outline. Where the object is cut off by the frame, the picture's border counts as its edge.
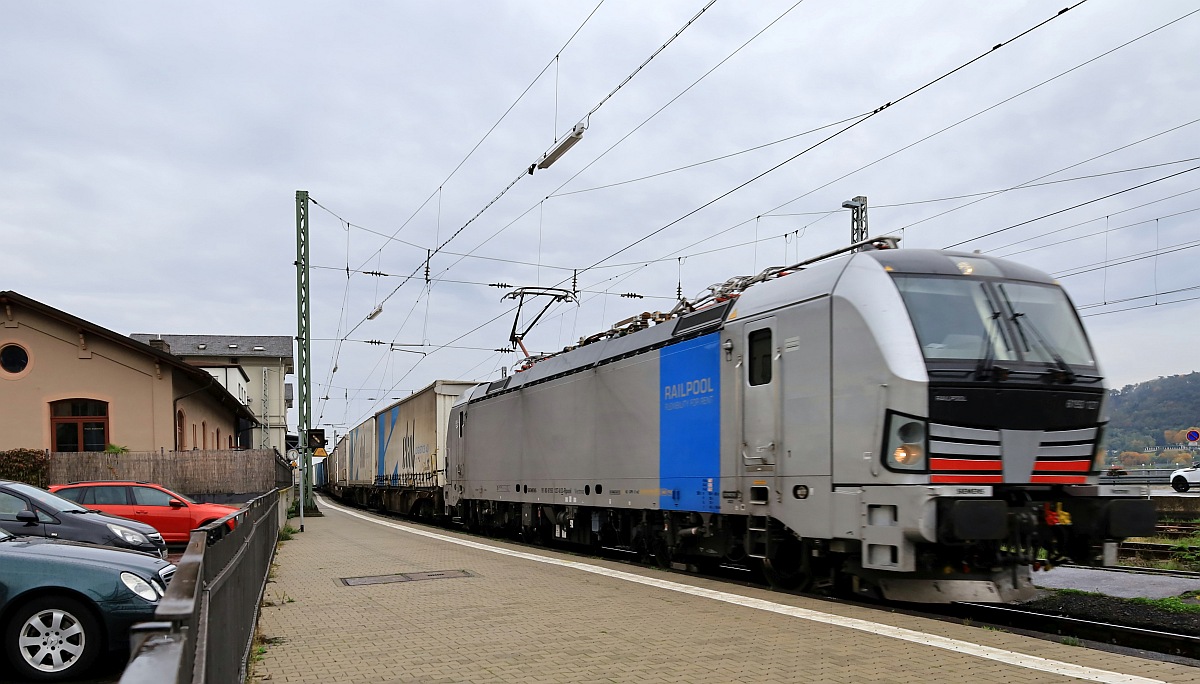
(955, 319)
(972, 319)
(760, 356)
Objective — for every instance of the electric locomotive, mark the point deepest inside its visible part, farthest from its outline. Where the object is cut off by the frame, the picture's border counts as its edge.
(921, 424)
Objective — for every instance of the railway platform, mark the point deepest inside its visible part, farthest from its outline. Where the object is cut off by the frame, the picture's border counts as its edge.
(363, 598)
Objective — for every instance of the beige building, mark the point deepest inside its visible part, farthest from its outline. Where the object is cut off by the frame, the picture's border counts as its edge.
(253, 368)
(70, 385)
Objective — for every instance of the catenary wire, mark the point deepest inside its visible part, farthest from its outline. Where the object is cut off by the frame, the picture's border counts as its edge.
(525, 172)
(838, 133)
(489, 132)
(1072, 207)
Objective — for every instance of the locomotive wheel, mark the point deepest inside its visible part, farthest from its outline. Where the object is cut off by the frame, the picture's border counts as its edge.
(789, 568)
(660, 553)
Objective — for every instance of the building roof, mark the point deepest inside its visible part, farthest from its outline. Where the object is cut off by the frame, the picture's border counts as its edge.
(8, 297)
(245, 346)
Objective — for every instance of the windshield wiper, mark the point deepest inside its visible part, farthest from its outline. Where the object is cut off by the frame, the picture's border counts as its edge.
(1062, 371)
(987, 355)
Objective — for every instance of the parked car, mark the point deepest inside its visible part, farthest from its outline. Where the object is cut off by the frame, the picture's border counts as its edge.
(26, 510)
(1186, 478)
(64, 603)
(173, 515)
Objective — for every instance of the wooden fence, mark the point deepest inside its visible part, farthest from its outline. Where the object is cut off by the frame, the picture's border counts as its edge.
(193, 473)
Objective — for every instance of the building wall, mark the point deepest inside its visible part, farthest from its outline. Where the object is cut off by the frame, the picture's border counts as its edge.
(233, 379)
(273, 418)
(138, 394)
(203, 417)
(262, 389)
(139, 388)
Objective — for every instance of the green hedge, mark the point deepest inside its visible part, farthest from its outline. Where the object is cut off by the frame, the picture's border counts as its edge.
(25, 465)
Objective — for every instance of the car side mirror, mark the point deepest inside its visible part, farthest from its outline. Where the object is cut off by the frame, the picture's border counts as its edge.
(175, 503)
(27, 516)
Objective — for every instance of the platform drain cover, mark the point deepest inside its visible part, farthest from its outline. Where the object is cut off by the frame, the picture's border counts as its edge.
(404, 577)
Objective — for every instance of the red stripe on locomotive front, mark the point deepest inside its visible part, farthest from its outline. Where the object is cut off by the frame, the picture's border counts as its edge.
(965, 479)
(955, 464)
(1063, 466)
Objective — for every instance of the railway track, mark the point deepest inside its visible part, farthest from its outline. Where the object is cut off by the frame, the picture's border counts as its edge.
(1177, 530)
(1015, 617)
(1159, 552)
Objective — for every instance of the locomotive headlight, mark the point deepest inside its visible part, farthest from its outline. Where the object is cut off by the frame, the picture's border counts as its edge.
(906, 443)
(907, 455)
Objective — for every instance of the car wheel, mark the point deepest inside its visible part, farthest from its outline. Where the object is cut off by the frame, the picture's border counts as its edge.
(51, 638)
(1180, 484)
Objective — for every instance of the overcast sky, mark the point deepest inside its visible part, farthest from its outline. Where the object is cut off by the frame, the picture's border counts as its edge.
(150, 154)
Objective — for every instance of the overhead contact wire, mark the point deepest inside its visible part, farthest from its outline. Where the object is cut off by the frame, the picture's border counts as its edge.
(839, 132)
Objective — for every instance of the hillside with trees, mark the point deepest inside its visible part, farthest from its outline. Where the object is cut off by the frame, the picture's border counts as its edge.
(1149, 418)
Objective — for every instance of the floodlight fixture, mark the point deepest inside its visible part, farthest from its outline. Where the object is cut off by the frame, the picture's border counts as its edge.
(851, 204)
(567, 142)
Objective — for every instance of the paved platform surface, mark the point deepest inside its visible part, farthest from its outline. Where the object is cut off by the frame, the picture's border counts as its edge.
(521, 615)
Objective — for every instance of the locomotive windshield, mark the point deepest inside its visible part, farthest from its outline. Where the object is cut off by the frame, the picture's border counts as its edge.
(993, 320)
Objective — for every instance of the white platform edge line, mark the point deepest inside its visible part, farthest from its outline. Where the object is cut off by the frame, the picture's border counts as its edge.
(965, 647)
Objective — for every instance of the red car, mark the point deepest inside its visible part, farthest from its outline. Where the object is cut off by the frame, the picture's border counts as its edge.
(173, 515)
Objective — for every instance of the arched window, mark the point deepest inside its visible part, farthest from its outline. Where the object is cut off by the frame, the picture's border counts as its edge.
(79, 425)
(204, 434)
(195, 442)
(179, 432)
(217, 441)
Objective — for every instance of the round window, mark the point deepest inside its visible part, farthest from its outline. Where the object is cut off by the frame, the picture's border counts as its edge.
(13, 358)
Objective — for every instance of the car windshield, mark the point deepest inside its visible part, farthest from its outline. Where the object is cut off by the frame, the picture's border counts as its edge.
(970, 318)
(46, 499)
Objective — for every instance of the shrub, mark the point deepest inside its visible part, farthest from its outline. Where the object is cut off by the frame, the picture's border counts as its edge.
(31, 466)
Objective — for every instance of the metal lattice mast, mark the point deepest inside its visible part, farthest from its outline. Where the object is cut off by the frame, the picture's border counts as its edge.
(858, 218)
(303, 341)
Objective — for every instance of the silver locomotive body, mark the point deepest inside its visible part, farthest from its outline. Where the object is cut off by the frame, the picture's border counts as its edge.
(920, 423)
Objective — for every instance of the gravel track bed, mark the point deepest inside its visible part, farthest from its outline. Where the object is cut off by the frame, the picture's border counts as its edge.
(1117, 611)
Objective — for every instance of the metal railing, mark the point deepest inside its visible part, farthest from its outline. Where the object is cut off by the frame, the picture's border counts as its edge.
(1137, 476)
(204, 627)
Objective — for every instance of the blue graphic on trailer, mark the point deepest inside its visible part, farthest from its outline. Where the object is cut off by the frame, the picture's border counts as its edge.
(385, 426)
(689, 416)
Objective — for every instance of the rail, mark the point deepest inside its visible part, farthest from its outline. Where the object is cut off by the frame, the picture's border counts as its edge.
(204, 626)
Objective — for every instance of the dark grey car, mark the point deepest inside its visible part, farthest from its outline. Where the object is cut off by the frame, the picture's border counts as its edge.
(31, 511)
